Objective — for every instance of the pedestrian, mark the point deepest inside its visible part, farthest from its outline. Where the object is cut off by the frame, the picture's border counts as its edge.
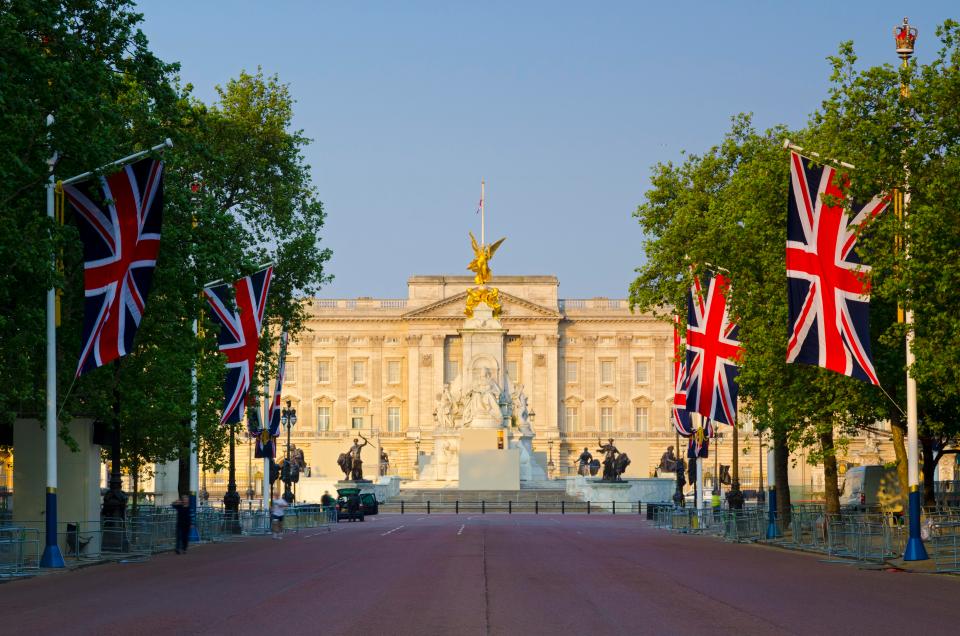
(182, 506)
(277, 510)
(326, 500)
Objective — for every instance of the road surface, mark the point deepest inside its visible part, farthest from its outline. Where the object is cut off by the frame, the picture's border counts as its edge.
(482, 574)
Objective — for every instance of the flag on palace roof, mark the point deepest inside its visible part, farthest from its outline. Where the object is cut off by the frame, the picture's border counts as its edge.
(827, 284)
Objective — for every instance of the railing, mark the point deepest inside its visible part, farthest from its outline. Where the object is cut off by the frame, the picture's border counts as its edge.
(515, 507)
(359, 303)
(590, 303)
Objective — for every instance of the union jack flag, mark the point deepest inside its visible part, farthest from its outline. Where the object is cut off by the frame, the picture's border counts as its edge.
(680, 416)
(266, 447)
(239, 336)
(712, 351)
(828, 286)
(119, 219)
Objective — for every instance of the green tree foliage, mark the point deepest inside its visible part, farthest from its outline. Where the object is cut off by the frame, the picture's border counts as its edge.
(237, 195)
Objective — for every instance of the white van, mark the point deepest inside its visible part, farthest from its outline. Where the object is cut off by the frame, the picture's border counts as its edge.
(871, 488)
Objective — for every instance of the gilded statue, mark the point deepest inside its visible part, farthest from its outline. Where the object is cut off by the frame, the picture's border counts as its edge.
(481, 259)
(480, 266)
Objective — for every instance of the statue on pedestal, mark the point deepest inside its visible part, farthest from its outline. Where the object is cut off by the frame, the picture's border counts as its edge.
(668, 461)
(384, 462)
(612, 468)
(520, 410)
(583, 462)
(350, 462)
(483, 401)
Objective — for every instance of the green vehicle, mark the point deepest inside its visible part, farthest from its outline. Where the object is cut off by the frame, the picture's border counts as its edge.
(353, 505)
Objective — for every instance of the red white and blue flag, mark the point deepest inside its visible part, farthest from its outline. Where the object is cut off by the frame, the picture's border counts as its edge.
(266, 445)
(713, 351)
(119, 218)
(680, 416)
(239, 337)
(828, 286)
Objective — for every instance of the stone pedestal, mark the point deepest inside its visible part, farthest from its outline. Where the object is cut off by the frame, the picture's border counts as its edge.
(602, 493)
(530, 468)
(78, 481)
(446, 455)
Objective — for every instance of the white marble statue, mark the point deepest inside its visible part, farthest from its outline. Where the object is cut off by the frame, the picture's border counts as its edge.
(445, 408)
(520, 410)
(483, 401)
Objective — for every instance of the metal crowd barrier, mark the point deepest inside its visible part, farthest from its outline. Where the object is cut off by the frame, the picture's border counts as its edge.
(19, 552)
(517, 507)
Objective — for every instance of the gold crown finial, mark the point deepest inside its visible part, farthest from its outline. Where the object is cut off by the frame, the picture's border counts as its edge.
(906, 37)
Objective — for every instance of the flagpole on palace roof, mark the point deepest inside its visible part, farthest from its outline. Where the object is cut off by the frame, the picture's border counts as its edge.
(482, 220)
(905, 37)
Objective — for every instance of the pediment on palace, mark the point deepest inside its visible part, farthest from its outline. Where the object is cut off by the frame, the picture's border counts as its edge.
(514, 308)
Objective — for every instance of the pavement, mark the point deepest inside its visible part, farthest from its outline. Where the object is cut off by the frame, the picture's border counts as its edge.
(482, 574)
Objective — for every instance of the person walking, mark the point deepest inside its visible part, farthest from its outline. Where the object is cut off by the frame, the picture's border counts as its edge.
(182, 506)
(277, 510)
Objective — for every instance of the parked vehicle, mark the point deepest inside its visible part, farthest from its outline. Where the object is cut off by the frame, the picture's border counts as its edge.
(350, 506)
(871, 488)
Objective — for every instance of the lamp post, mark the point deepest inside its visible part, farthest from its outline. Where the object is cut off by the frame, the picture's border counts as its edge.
(905, 37)
(550, 464)
(760, 492)
(735, 496)
(231, 499)
(288, 417)
(416, 456)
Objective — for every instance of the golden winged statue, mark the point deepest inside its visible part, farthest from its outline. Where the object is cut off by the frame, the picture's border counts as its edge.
(480, 265)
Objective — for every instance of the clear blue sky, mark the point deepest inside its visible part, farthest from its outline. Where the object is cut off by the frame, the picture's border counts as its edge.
(562, 107)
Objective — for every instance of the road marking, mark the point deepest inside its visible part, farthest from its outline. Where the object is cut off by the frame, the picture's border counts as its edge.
(317, 534)
(421, 518)
(469, 518)
(460, 531)
(390, 531)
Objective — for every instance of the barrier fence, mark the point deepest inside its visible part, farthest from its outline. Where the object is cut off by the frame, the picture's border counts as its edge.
(858, 536)
(144, 532)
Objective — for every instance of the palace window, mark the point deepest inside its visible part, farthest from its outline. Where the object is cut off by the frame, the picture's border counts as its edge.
(512, 371)
(640, 372)
(393, 419)
(323, 372)
(572, 369)
(290, 371)
(572, 418)
(607, 369)
(393, 372)
(323, 418)
(640, 419)
(606, 418)
(356, 416)
(359, 371)
(746, 476)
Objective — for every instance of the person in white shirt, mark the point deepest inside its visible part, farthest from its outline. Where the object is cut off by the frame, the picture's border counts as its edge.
(277, 509)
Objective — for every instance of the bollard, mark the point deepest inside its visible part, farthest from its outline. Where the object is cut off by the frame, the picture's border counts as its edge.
(614, 507)
(457, 506)
(536, 507)
(510, 507)
(639, 506)
(563, 507)
(483, 507)
(401, 506)
(588, 507)
(428, 506)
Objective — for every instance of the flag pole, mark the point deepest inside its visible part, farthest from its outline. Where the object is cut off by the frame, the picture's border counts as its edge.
(52, 557)
(167, 143)
(194, 479)
(905, 37)
(482, 219)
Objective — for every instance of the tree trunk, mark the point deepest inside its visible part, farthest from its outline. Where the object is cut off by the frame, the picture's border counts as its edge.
(899, 432)
(928, 467)
(183, 466)
(831, 491)
(781, 454)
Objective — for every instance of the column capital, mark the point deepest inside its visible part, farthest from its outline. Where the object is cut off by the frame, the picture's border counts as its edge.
(528, 340)
(342, 341)
(412, 339)
(438, 340)
(553, 339)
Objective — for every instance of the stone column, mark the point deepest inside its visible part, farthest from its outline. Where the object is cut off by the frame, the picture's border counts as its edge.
(436, 383)
(526, 371)
(414, 408)
(589, 382)
(661, 382)
(548, 420)
(625, 382)
(341, 413)
(377, 420)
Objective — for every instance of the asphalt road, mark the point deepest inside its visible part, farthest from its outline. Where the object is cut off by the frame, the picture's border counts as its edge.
(490, 574)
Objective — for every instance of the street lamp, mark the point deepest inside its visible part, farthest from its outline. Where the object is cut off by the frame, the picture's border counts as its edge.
(288, 417)
(550, 464)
